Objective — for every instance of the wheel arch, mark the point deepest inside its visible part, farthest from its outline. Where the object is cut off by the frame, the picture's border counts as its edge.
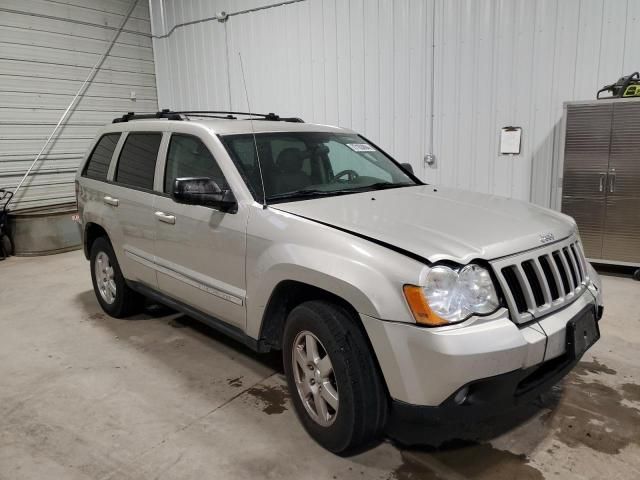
(92, 231)
(285, 297)
(290, 293)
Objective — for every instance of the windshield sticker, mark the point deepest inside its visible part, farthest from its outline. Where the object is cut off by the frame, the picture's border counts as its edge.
(361, 147)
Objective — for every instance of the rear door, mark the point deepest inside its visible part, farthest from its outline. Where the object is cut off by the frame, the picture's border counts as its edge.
(94, 186)
(131, 196)
(200, 251)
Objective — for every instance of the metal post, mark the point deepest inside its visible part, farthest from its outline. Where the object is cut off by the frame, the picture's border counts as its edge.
(80, 91)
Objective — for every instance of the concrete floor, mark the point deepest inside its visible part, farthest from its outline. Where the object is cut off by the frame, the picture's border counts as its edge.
(83, 395)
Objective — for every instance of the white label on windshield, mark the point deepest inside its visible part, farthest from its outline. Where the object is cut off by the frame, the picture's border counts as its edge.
(361, 147)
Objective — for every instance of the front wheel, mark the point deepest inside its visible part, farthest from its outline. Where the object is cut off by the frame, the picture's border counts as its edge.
(335, 387)
(114, 295)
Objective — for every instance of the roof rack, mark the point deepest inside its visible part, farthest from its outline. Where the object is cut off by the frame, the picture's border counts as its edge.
(166, 113)
(231, 115)
(184, 114)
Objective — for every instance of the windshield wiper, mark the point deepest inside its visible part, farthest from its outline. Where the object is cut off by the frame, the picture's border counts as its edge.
(309, 192)
(383, 185)
(312, 192)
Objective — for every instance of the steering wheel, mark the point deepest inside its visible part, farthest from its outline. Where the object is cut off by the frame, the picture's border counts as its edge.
(351, 175)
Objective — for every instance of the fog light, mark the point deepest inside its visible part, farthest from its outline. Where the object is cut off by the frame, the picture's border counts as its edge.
(461, 395)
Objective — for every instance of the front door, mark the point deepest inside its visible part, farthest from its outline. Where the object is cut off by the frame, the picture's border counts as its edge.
(200, 251)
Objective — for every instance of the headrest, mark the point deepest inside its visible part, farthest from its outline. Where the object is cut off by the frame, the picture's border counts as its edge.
(290, 160)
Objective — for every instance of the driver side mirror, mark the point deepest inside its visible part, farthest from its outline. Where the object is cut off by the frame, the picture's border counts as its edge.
(205, 192)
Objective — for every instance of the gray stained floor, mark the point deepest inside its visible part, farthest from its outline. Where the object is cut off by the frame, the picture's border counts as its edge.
(83, 395)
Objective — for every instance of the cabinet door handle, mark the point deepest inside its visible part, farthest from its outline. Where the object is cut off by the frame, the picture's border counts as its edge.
(612, 182)
(166, 218)
(114, 202)
(602, 180)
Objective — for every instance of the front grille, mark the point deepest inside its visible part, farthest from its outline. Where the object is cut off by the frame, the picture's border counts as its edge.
(542, 280)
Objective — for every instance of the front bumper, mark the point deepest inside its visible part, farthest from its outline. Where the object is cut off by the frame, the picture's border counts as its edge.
(490, 397)
(425, 368)
(485, 398)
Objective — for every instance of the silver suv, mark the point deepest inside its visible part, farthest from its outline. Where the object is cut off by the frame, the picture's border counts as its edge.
(399, 307)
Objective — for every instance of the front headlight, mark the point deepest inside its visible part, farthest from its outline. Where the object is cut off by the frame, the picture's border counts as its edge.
(452, 295)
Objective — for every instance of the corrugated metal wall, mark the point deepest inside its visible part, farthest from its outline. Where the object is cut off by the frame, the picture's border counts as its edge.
(47, 49)
(371, 64)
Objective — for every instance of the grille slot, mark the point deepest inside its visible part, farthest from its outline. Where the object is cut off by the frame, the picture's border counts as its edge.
(578, 260)
(543, 280)
(536, 287)
(548, 273)
(563, 273)
(515, 287)
(572, 267)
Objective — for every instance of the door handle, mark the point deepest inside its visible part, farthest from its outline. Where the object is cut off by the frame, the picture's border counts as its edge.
(114, 202)
(163, 217)
(612, 181)
(602, 180)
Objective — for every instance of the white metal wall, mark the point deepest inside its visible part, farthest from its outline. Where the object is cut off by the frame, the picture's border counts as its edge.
(371, 65)
(47, 49)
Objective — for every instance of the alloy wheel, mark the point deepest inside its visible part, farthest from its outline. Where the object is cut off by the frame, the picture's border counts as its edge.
(105, 277)
(314, 378)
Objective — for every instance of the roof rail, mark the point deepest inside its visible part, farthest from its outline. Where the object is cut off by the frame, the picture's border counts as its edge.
(227, 115)
(231, 115)
(166, 113)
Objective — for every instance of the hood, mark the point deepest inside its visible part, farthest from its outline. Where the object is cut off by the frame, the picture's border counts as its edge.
(439, 223)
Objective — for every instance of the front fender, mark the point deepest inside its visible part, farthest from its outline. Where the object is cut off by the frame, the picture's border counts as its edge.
(368, 276)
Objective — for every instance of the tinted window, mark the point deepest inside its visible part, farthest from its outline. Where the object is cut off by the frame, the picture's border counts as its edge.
(137, 163)
(98, 163)
(189, 157)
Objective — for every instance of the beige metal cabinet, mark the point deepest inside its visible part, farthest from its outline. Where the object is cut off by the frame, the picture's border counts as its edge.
(601, 179)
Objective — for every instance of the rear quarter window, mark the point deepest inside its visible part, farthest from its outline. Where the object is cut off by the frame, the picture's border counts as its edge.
(100, 159)
(137, 163)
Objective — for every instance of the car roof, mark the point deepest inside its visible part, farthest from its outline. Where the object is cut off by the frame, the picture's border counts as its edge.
(222, 126)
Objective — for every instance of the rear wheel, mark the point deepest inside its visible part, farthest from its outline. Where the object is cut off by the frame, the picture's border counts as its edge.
(114, 295)
(334, 384)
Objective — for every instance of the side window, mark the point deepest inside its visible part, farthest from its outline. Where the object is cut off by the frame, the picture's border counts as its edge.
(137, 163)
(98, 163)
(189, 157)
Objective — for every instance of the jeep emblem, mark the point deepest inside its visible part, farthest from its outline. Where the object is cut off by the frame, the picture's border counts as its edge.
(547, 237)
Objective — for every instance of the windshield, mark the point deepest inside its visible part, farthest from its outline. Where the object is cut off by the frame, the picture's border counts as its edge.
(298, 165)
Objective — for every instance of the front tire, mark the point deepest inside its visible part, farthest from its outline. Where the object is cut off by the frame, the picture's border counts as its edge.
(332, 377)
(114, 295)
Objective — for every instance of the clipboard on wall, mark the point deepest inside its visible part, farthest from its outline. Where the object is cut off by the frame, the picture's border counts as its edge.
(510, 140)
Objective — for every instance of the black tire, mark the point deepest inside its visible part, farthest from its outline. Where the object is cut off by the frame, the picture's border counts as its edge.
(636, 274)
(362, 408)
(126, 302)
